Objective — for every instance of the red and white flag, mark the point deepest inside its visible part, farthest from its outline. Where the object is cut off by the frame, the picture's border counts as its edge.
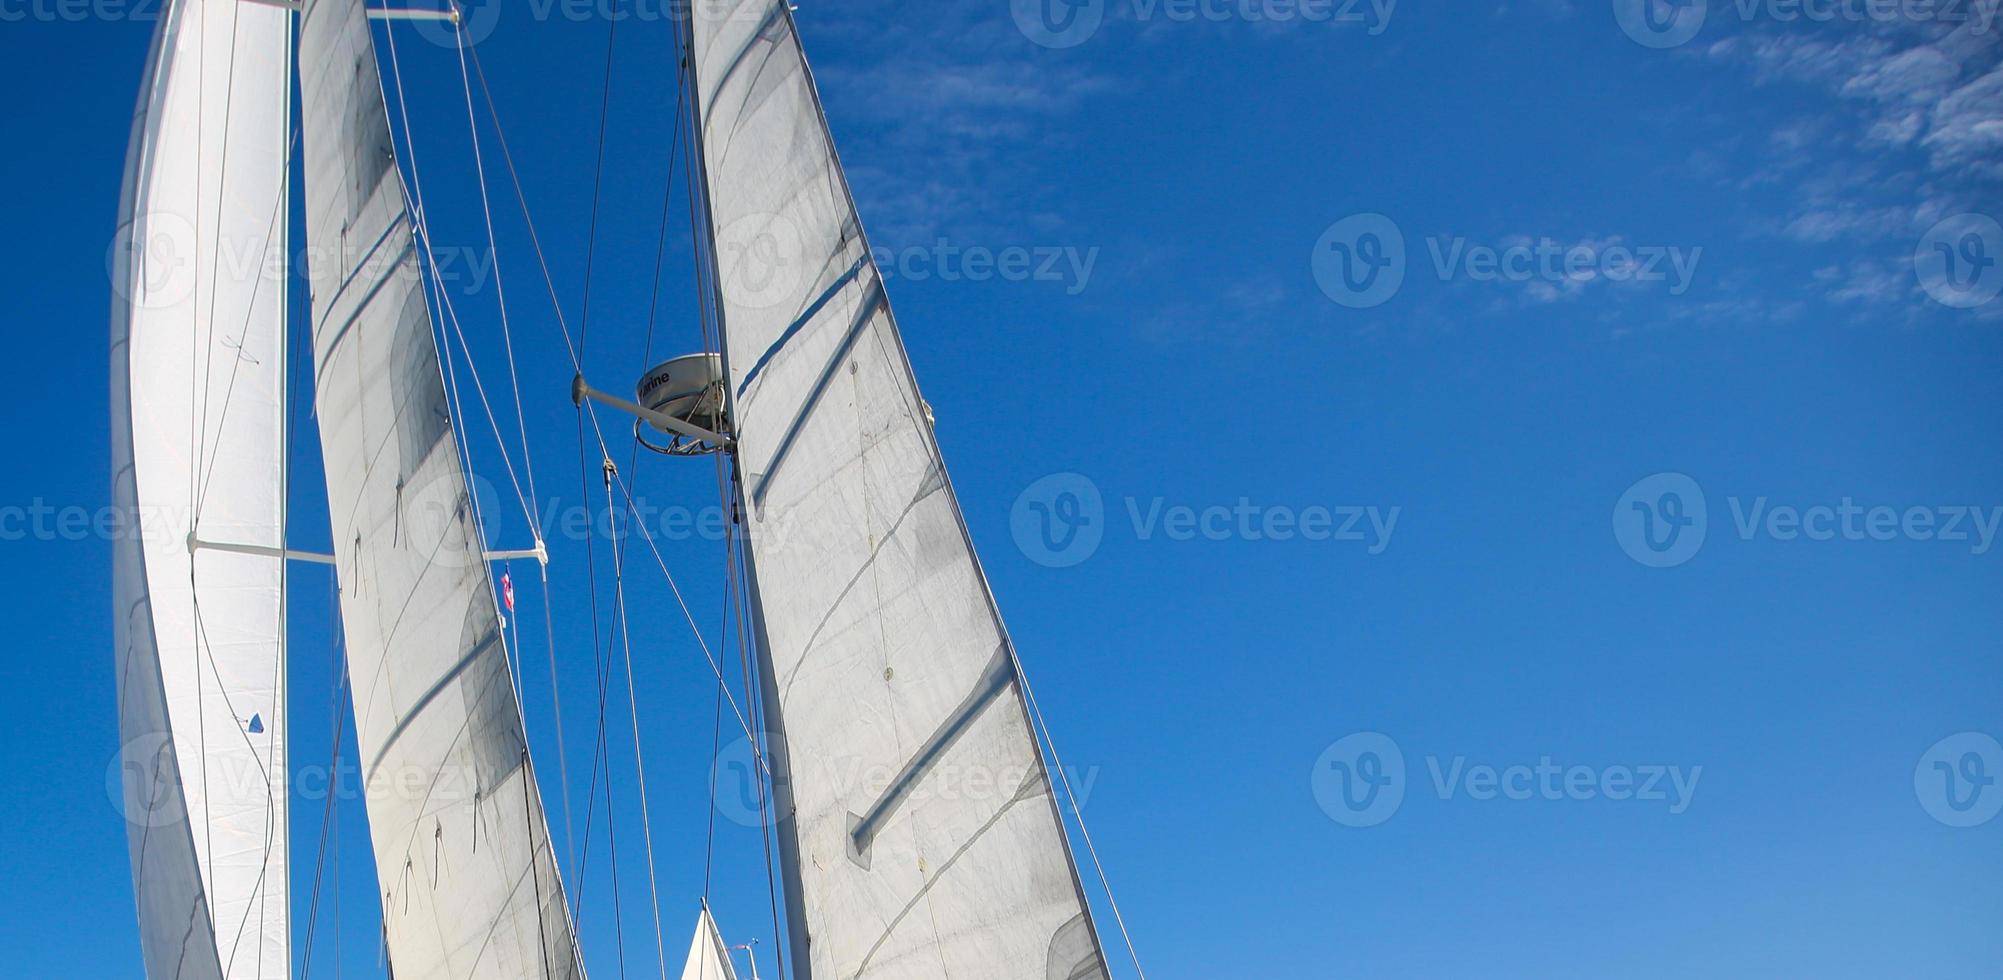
(508, 591)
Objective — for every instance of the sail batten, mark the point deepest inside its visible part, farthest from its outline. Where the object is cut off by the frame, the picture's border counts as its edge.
(462, 847)
(923, 831)
(198, 407)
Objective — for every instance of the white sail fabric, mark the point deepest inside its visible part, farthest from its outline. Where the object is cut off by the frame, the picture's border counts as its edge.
(708, 958)
(469, 885)
(926, 839)
(198, 443)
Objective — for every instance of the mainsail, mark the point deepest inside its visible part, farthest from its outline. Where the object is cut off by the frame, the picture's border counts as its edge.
(470, 887)
(921, 835)
(198, 445)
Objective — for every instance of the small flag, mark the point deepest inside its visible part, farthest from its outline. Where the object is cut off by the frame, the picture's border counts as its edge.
(508, 591)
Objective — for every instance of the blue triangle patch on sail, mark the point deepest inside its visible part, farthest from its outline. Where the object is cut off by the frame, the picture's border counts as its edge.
(256, 726)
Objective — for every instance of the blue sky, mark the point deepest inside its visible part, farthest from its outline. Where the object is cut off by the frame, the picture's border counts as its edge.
(1715, 288)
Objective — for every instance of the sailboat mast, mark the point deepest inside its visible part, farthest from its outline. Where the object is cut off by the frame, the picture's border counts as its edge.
(777, 759)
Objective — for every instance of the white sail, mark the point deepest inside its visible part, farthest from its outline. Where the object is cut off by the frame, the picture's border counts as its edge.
(708, 958)
(198, 442)
(924, 838)
(469, 885)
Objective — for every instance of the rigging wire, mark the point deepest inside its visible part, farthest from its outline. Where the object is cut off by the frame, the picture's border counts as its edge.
(681, 601)
(685, 148)
(500, 292)
(599, 751)
(748, 653)
(528, 460)
(562, 754)
(435, 320)
(633, 713)
(521, 198)
(338, 674)
(451, 315)
(598, 177)
(281, 680)
(619, 550)
(535, 870)
(514, 377)
(549, 283)
(573, 345)
(1078, 816)
(464, 348)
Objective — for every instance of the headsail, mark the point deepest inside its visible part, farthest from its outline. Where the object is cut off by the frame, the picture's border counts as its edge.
(887, 669)
(197, 270)
(462, 848)
(708, 957)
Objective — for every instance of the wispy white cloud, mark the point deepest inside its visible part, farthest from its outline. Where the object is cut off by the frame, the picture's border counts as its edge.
(1902, 127)
(1868, 281)
(937, 106)
(1842, 219)
(1929, 89)
(1966, 131)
